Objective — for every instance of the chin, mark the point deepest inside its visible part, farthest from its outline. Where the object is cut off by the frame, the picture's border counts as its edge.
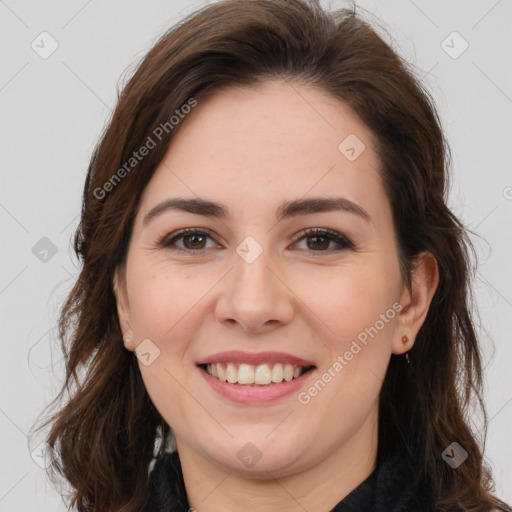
(256, 456)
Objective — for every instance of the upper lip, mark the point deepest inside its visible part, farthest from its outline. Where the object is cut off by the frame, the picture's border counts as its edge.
(239, 356)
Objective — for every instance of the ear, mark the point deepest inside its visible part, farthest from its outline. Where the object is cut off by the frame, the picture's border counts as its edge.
(415, 302)
(123, 308)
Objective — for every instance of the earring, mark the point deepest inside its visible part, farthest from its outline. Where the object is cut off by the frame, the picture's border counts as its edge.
(405, 340)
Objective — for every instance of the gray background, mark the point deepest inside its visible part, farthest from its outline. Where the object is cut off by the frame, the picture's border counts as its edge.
(54, 109)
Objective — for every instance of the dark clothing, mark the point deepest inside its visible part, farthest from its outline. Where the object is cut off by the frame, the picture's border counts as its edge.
(390, 488)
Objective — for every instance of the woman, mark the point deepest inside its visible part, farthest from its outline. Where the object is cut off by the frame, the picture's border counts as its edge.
(272, 312)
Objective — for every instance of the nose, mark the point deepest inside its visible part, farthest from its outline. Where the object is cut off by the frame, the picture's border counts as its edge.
(255, 297)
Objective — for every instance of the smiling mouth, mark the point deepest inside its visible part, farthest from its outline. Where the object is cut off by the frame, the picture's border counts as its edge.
(255, 375)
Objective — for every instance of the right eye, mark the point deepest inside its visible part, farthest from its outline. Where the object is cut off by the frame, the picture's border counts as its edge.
(194, 240)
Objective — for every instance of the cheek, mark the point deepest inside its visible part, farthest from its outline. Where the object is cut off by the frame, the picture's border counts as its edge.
(357, 321)
(162, 300)
(360, 307)
(165, 307)
(352, 300)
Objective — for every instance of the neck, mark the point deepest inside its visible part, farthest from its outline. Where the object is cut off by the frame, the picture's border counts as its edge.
(315, 485)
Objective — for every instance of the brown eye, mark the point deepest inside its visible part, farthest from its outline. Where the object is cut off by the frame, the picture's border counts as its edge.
(318, 240)
(192, 240)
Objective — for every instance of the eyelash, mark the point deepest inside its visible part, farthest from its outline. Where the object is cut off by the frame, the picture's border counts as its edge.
(168, 240)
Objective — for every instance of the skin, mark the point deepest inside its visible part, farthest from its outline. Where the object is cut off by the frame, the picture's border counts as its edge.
(252, 149)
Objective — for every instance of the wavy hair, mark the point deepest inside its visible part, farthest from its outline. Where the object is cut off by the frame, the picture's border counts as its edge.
(105, 430)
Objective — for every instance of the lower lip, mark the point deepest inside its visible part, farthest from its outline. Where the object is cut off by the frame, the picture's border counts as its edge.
(255, 394)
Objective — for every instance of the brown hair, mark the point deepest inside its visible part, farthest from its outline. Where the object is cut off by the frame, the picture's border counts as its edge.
(107, 433)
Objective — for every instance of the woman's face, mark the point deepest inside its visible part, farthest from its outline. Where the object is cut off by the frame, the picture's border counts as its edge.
(253, 283)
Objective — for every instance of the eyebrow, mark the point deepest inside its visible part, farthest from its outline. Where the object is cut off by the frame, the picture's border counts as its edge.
(288, 209)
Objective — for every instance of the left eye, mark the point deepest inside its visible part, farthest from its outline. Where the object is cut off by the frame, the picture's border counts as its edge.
(321, 238)
(194, 240)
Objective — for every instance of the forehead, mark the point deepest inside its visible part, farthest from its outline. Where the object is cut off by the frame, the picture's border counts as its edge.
(277, 140)
(275, 118)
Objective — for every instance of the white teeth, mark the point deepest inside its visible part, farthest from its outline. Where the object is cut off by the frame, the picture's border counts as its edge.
(277, 373)
(288, 372)
(231, 373)
(245, 374)
(262, 374)
(220, 371)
